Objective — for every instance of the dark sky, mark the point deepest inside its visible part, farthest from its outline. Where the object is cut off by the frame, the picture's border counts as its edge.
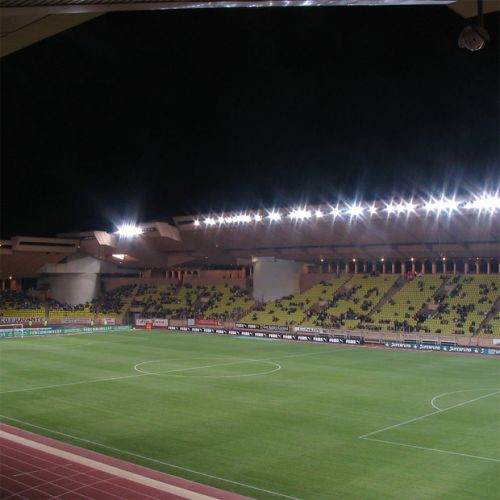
(165, 113)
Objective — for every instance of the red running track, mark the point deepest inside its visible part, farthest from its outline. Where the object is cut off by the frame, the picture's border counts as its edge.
(36, 467)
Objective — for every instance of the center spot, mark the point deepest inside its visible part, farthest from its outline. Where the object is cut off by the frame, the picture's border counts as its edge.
(207, 368)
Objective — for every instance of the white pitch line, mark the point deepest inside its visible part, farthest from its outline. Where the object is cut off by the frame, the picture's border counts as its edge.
(431, 449)
(456, 392)
(153, 460)
(109, 379)
(428, 415)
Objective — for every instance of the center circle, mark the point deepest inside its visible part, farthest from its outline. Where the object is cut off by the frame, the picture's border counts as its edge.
(207, 368)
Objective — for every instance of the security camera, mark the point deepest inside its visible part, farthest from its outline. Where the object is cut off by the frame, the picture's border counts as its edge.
(473, 38)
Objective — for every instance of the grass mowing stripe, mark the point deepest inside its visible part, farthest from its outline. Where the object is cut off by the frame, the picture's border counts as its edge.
(153, 460)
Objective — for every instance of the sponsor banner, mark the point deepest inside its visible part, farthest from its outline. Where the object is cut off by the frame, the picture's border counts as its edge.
(190, 321)
(336, 340)
(289, 337)
(155, 322)
(279, 328)
(496, 341)
(303, 337)
(308, 329)
(232, 332)
(75, 321)
(44, 331)
(260, 334)
(247, 325)
(446, 348)
(320, 339)
(24, 321)
(357, 341)
(274, 335)
(208, 322)
(247, 334)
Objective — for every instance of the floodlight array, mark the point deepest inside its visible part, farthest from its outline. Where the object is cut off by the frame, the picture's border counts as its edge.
(129, 230)
(484, 203)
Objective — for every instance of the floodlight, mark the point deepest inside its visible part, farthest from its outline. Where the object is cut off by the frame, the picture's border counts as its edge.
(209, 221)
(486, 202)
(336, 212)
(274, 216)
(410, 207)
(129, 230)
(221, 220)
(390, 208)
(196, 223)
(441, 205)
(257, 217)
(400, 207)
(372, 209)
(119, 256)
(355, 210)
(318, 213)
(300, 214)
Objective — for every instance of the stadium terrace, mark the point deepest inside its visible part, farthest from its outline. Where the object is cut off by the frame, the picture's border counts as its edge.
(429, 267)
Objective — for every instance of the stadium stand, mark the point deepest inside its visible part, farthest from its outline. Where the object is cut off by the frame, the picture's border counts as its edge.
(221, 302)
(20, 305)
(226, 302)
(465, 306)
(296, 309)
(355, 300)
(112, 304)
(400, 311)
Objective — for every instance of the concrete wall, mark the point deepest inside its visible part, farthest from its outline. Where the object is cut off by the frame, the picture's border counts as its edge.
(215, 279)
(72, 288)
(274, 278)
(111, 283)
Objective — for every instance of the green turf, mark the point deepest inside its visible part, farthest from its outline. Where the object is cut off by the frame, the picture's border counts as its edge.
(295, 430)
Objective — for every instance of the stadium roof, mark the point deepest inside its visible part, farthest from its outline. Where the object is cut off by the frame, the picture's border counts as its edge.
(451, 228)
(24, 22)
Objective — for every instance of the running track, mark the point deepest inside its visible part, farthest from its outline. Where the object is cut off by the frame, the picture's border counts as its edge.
(36, 467)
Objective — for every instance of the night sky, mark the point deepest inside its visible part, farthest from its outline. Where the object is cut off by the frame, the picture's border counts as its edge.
(154, 114)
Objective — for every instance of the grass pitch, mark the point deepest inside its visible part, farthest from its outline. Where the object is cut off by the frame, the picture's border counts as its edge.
(267, 419)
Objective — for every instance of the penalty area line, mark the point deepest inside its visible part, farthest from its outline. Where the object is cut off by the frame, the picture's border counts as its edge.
(416, 419)
(430, 449)
(153, 460)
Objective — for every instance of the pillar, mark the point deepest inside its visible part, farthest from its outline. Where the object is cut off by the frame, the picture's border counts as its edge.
(274, 278)
(413, 267)
(434, 267)
(338, 269)
(393, 267)
(466, 267)
(356, 267)
(488, 267)
(422, 267)
(384, 267)
(477, 267)
(347, 267)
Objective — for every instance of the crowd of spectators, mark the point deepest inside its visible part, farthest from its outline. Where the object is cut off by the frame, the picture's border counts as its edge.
(109, 303)
(13, 299)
